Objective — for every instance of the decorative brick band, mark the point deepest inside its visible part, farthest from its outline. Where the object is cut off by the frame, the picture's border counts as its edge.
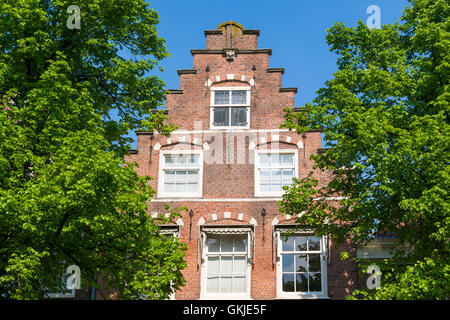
(276, 138)
(157, 215)
(285, 218)
(214, 217)
(229, 77)
(187, 139)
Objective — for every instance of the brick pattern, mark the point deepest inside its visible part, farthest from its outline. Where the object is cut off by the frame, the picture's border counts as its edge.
(228, 173)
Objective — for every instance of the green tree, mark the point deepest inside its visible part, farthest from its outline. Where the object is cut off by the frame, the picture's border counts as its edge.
(385, 114)
(65, 195)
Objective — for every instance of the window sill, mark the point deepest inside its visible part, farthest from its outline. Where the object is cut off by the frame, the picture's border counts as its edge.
(225, 297)
(230, 128)
(302, 297)
(269, 195)
(178, 196)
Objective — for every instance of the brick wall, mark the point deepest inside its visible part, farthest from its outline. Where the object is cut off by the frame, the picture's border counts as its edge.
(229, 178)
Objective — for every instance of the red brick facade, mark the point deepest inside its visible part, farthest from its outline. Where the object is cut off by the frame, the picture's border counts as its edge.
(232, 59)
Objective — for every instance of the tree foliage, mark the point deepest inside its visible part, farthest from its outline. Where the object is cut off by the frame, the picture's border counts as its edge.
(65, 195)
(385, 114)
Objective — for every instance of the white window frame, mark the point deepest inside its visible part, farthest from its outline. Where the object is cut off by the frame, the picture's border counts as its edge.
(161, 193)
(259, 193)
(213, 105)
(204, 295)
(279, 270)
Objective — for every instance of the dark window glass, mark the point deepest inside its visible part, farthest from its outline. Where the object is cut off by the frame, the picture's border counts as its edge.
(239, 117)
(288, 282)
(301, 243)
(315, 283)
(302, 282)
(221, 116)
(314, 262)
(314, 244)
(302, 263)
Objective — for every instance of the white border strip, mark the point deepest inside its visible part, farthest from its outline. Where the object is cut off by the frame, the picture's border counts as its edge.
(234, 199)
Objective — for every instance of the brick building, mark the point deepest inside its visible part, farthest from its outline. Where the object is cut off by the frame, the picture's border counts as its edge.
(227, 163)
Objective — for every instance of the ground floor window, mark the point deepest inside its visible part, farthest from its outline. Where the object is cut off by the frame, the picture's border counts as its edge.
(226, 265)
(301, 266)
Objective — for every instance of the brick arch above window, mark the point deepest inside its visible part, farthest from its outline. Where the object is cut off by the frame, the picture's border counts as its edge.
(226, 216)
(280, 219)
(187, 140)
(160, 216)
(262, 140)
(230, 77)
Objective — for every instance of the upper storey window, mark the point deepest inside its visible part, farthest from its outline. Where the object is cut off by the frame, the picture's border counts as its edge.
(274, 169)
(180, 174)
(230, 107)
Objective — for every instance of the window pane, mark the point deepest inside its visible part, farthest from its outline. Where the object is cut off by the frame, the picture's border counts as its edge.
(300, 243)
(181, 175)
(240, 244)
(315, 283)
(314, 262)
(301, 263)
(239, 97)
(221, 97)
(193, 160)
(226, 284)
(226, 244)
(264, 187)
(287, 160)
(314, 244)
(288, 282)
(169, 187)
(276, 186)
(169, 176)
(239, 117)
(264, 175)
(213, 265)
(221, 116)
(182, 160)
(192, 176)
(169, 160)
(226, 265)
(287, 245)
(192, 187)
(212, 285)
(239, 284)
(275, 175)
(301, 282)
(287, 263)
(239, 264)
(287, 177)
(264, 160)
(212, 244)
(180, 188)
(275, 160)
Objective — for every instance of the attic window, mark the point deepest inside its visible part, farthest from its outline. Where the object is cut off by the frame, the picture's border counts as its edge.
(230, 107)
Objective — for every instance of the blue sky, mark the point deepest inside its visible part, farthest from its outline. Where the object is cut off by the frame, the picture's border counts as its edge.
(295, 30)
